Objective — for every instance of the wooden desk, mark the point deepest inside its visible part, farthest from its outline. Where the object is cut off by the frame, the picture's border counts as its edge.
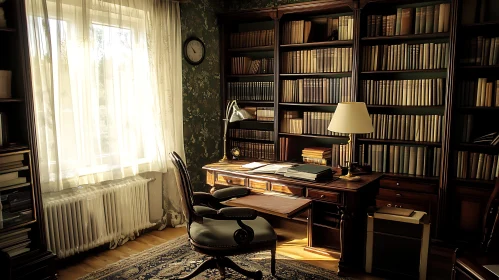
(337, 223)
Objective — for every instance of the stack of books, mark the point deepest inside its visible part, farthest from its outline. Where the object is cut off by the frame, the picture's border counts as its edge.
(15, 242)
(317, 155)
(309, 172)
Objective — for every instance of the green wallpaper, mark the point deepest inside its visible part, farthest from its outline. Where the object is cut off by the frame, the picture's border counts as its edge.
(201, 89)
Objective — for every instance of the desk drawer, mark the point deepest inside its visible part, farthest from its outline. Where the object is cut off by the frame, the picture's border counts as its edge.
(292, 190)
(257, 184)
(418, 186)
(326, 196)
(230, 180)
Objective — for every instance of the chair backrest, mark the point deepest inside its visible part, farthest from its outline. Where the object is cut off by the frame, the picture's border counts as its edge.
(184, 188)
(490, 223)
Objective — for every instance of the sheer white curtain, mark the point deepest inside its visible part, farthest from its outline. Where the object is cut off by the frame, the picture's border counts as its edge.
(107, 88)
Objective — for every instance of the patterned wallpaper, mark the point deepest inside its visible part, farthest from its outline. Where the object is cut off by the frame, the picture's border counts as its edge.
(201, 89)
(201, 84)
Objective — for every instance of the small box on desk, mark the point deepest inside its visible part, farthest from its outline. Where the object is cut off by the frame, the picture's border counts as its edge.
(397, 243)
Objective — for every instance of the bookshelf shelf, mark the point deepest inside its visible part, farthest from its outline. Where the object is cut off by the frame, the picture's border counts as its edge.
(405, 107)
(254, 102)
(419, 71)
(18, 226)
(15, 187)
(317, 44)
(250, 140)
(406, 37)
(482, 147)
(12, 148)
(14, 169)
(11, 100)
(479, 109)
(479, 67)
(405, 142)
(253, 49)
(250, 76)
(306, 75)
(313, 136)
(308, 104)
(255, 121)
(407, 176)
(7, 29)
(475, 182)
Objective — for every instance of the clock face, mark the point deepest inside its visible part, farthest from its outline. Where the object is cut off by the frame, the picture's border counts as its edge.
(194, 51)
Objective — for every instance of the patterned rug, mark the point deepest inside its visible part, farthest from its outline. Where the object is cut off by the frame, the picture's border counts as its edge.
(175, 258)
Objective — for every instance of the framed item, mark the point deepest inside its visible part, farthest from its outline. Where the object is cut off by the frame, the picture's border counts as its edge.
(194, 50)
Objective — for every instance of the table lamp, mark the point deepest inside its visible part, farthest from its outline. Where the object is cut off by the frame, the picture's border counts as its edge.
(351, 118)
(233, 114)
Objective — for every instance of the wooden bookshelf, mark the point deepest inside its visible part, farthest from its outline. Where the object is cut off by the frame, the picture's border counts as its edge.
(317, 44)
(443, 188)
(18, 154)
(253, 49)
(414, 37)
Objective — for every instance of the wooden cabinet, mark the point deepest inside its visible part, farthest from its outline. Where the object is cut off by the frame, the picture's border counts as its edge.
(469, 208)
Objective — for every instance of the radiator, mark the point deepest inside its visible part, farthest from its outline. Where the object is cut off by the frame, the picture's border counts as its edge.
(83, 218)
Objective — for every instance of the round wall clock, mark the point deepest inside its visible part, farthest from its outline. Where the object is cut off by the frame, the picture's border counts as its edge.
(194, 50)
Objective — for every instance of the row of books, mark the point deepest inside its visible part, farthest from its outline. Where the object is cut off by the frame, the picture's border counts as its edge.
(481, 51)
(422, 92)
(480, 166)
(419, 20)
(481, 92)
(251, 134)
(329, 60)
(467, 132)
(398, 159)
(322, 90)
(286, 148)
(246, 66)
(254, 150)
(340, 155)
(405, 57)
(252, 39)
(419, 128)
(15, 242)
(317, 30)
(265, 114)
(314, 123)
(252, 91)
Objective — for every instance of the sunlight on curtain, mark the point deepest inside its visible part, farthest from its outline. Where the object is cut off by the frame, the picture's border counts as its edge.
(107, 88)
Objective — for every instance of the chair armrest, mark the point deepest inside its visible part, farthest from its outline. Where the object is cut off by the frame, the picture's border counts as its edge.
(239, 213)
(231, 192)
(203, 198)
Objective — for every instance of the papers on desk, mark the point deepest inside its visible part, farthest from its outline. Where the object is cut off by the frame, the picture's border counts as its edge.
(253, 165)
(272, 169)
(494, 268)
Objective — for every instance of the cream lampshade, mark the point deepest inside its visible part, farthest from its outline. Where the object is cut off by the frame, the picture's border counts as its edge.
(351, 118)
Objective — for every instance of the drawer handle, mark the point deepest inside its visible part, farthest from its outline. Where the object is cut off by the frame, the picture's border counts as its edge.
(398, 184)
(229, 181)
(389, 205)
(322, 196)
(398, 195)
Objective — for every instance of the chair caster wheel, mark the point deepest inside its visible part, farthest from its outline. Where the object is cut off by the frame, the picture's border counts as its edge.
(258, 275)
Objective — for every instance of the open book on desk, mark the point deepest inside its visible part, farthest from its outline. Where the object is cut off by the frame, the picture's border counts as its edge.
(279, 169)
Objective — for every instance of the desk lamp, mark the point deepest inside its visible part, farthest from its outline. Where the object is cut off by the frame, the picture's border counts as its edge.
(232, 114)
(351, 118)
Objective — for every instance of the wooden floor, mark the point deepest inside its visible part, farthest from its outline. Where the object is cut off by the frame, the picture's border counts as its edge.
(290, 244)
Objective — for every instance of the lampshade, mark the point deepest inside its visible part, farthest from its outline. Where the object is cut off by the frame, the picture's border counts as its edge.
(239, 114)
(351, 117)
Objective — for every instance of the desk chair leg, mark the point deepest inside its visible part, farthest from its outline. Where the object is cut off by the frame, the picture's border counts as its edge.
(208, 264)
(272, 261)
(257, 275)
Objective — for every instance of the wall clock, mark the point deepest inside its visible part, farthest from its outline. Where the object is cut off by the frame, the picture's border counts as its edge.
(194, 50)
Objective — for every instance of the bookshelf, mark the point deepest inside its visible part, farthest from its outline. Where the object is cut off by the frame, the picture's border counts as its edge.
(23, 252)
(382, 70)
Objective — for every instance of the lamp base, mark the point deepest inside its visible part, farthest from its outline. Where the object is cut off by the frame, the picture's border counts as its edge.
(224, 160)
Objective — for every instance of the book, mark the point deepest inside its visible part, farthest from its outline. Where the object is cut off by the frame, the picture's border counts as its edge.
(406, 21)
(309, 172)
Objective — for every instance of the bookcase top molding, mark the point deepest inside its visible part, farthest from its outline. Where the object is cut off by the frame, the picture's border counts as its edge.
(313, 7)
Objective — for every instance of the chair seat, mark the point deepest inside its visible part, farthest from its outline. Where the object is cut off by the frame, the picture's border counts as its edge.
(220, 233)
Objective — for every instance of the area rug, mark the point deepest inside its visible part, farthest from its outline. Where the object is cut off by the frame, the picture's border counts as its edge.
(175, 258)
